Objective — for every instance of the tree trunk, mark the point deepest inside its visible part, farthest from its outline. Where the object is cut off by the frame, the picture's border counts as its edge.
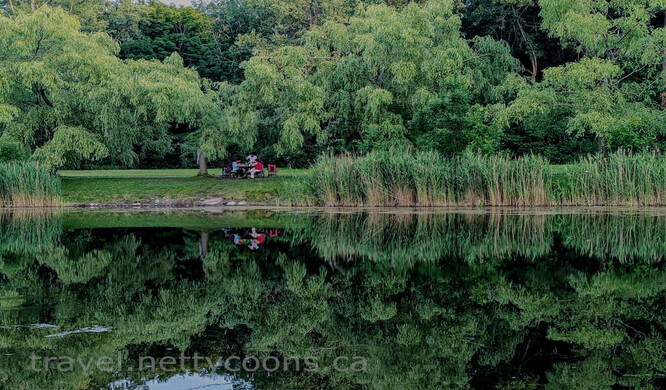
(600, 144)
(203, 245)
(203, 165)
(533, 57)
(312, 13)
(535, 67)
(663, 65)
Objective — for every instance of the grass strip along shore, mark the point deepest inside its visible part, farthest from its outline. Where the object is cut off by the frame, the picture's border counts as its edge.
(384, 179)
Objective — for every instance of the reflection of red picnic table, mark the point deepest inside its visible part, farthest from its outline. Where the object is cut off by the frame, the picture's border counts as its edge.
(253, 238)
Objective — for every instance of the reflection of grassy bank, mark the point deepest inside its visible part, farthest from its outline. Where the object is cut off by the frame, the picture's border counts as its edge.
(626, 238)
(391, 237)
(427, 179)
(397, 238)
(182, 218)
(28, 230)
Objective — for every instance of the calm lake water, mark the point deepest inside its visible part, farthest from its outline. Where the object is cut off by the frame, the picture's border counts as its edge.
(341, 299)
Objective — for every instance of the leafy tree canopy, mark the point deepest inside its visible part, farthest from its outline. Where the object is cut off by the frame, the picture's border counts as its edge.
(66, 96)
(561, 78)
(385, 77)
(613, 92)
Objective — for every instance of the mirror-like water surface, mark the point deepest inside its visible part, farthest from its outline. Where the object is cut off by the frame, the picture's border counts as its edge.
(366, 299)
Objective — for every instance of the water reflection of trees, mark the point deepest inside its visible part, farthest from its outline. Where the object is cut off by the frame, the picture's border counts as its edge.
(547, 317)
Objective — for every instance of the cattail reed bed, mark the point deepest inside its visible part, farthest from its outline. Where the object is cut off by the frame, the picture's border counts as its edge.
(27, 184)
(408, 178)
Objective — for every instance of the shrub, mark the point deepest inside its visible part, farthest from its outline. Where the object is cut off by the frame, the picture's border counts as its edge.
(12, 151)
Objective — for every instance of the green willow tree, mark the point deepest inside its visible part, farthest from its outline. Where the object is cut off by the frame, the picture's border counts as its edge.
(613, 93)
(91, 13)
(66, 96)
(386, 77)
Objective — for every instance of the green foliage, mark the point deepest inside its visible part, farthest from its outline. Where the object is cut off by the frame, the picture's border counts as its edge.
(66, 95)
(290, 80)
(12, 151)
(586, 96)
(387, 77)
(73, 143)
(607, 93)
(155, 31)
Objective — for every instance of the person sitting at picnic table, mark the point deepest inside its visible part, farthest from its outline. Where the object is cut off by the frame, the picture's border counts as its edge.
(251, 159)
(258, 166)
(236, 166)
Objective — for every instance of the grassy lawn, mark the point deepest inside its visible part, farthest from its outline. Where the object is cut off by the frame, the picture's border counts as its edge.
(161, 186)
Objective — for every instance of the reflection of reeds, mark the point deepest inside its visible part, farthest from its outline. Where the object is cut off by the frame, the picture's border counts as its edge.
(505, 236)
(28, 231)
(404, 238)
(24, 234)
(625, 238)
(27, 184)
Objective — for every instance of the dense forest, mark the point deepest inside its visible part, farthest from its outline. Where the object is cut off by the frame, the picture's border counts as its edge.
(97, 83)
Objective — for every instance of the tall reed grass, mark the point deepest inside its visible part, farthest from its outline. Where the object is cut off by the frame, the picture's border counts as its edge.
(27, 184)
(408, 178)
(425, 179)
(620, 178)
